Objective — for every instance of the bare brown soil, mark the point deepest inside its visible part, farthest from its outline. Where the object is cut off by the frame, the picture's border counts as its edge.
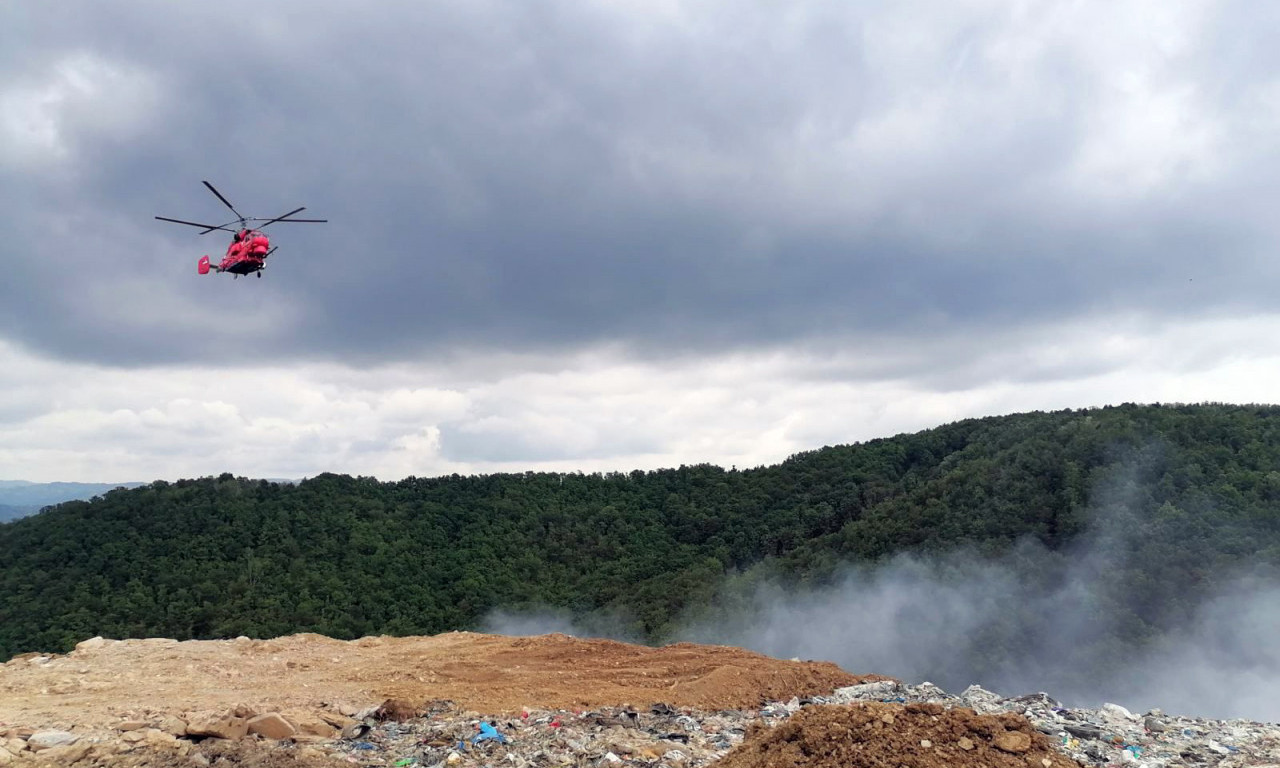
(96, 688)
(896, 736)
(101, 685)
(216, 753)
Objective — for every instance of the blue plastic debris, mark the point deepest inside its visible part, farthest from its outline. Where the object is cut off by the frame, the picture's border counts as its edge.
(488, 733)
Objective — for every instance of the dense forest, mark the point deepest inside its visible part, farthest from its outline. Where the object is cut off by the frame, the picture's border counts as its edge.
(1196, 489)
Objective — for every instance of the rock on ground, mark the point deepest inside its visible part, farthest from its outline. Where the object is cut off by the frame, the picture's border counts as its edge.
(41, 740)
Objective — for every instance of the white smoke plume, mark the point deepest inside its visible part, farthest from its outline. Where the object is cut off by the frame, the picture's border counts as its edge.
(1086, 623)
(543, 620)
(957, 620)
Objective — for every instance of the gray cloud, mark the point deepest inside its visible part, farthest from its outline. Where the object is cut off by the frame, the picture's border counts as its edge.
(699, 177)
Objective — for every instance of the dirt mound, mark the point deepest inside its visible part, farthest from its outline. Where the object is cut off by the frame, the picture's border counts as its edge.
(105, 681)
(224, 754)
(896, 736)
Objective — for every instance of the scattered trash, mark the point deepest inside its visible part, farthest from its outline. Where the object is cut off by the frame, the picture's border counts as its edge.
(1110, 734)
(1216, 747)
(664, 736)
(488, 733)
(355, 731)
(911, 719)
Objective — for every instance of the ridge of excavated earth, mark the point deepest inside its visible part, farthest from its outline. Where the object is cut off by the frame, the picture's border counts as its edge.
(103, 680)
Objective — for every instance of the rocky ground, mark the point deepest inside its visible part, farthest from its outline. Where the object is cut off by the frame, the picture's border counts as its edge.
(1110, 734)
(465, 699)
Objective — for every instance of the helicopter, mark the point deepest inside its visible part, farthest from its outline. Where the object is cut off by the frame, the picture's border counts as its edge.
(249, 248)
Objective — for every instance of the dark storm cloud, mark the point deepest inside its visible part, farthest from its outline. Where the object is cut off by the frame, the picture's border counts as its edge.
(499, 175)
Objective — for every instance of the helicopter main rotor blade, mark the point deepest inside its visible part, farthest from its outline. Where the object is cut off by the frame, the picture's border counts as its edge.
(205, 227)
(224, 200)
(285, 218)
(282, 217)
(239, 223)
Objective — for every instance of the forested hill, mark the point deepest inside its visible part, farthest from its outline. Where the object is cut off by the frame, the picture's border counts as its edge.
(1196, 487)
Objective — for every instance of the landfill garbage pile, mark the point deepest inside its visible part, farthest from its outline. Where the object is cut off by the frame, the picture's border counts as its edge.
(1109, 735)
(885, 723)
(442, 735)
(397, 733)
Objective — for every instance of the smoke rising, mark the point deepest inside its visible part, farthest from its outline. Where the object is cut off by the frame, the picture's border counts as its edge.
(1226, 664)
(1032, 620)
(1071, 623)
(1131, 612)
(545, 620)
(956, 620)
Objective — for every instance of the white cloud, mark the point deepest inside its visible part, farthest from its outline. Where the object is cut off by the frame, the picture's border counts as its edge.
(596, 410)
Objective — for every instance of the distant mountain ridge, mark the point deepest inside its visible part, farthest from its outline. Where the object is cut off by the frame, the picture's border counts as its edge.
(10, 512)
(19, 498)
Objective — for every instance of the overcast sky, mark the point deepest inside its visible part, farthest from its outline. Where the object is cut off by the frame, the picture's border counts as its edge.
(618, 235)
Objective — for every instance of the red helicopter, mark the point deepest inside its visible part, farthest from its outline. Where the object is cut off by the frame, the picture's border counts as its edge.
(249, 247)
